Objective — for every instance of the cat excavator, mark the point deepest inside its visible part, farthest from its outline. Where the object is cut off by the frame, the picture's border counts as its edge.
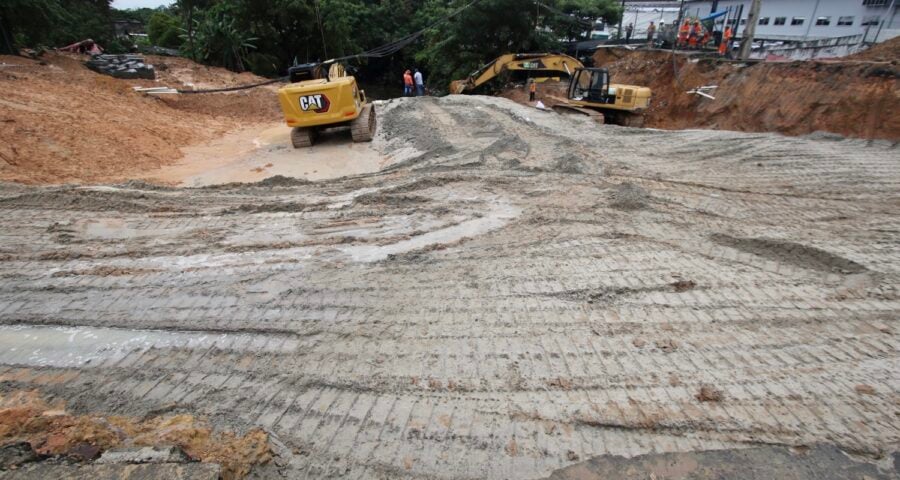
(589, 91)
(511, 62)
(324, 95)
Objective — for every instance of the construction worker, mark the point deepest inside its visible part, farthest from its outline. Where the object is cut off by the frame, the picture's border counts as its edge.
(696, 33)
(407, 84)
(683, 33)
(651, 31)
(532, 90)
(628, 31)
(726, 39)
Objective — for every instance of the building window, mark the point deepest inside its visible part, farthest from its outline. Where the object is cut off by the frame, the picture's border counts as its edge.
(867, 21)
(798, 20)
(823, 21)
(764, 21)
(845, 21)
(874, 3)
(780, 20)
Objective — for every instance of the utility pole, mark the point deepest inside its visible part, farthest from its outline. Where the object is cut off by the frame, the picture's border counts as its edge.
(619, 35)
(680, 17)
(750, 31)
(890, 12)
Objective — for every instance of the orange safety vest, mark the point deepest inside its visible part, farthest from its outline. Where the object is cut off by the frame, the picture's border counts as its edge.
(407, 79)
(533, 87)
(727, 36)
(683, 32)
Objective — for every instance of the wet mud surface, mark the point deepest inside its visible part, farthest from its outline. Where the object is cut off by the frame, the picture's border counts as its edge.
(513, 294)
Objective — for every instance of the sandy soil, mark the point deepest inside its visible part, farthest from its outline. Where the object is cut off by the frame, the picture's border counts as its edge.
(62, 123)
(516, 293)
(855, 99)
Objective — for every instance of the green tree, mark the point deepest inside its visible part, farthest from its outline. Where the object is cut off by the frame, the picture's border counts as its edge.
(54, 23)
(456, 48)
(164, 30)
(219, 40)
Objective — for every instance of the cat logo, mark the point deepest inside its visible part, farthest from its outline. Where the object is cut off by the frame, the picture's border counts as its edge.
(318, 103)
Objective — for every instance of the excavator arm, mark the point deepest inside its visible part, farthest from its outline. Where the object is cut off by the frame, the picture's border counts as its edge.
(537, 62)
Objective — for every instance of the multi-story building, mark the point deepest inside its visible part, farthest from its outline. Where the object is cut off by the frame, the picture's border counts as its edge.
(802, 20)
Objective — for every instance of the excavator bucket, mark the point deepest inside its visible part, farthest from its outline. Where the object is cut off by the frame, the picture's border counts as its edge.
(458, 86)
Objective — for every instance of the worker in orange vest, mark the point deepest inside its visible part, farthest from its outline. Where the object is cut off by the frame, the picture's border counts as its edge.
(683, 33)
(407, 84)
(726, 38)
(696, 33)
(532, 90)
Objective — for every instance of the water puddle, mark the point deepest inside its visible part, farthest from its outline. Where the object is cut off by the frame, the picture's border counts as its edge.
(41, 346)
(256, 153)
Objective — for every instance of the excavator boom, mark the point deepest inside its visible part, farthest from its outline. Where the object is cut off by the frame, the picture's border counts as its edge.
(537, 62)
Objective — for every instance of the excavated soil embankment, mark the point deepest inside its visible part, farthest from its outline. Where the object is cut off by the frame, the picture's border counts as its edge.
(855, 97)
(851, 98)
(61, 122)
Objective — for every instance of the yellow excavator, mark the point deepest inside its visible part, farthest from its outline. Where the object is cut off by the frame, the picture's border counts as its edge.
(323, 95)
(511, 62)
(589, 91)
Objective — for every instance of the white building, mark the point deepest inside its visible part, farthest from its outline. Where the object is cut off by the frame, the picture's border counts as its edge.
(801, 20)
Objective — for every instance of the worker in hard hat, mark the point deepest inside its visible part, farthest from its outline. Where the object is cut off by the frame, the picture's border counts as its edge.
(696, 33)
(683, 31)
(726, 39)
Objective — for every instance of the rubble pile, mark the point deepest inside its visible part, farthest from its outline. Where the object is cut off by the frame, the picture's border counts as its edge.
(122, 66)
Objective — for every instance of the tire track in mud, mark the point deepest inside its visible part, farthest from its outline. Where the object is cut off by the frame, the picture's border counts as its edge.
(573, 328)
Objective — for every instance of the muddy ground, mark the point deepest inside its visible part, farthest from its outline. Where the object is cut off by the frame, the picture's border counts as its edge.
(513, 294)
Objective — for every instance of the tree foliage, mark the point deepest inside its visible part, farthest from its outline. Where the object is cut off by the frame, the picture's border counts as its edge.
(56, 23)
(164, 30)
(267, 36)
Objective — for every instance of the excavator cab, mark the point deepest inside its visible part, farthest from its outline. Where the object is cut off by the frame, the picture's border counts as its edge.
(591, 93)
(590, 85)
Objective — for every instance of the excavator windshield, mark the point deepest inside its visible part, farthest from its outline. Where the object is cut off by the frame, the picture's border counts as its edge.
(591, 84)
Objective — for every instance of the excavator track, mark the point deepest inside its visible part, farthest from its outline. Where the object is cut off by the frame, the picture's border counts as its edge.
(303, 137)
(571, 109)
(363, 128)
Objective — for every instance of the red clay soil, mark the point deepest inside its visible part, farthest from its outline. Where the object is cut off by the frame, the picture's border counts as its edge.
(888, 51)
(856, 97)
(62, 123)
(853, 98)
(52, 431)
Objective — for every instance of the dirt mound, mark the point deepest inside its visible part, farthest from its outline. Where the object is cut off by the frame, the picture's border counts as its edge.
(888, 51)
(550, 93)
(792, 253)
(852, 99)
(64, 123)
(51, 431)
